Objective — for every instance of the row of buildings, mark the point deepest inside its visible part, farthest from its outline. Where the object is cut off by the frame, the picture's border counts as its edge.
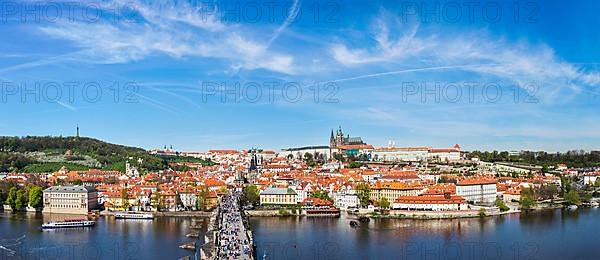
(282, 181)
(343, 144)
(287, 178)
(413, 194)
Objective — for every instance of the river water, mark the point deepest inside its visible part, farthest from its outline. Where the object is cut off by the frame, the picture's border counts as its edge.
(20, 238)
(551, 234)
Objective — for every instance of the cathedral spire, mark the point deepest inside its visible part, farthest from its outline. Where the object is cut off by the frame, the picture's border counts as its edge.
(331, 139)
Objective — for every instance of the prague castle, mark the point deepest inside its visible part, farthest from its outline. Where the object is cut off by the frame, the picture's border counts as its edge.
(339, 139)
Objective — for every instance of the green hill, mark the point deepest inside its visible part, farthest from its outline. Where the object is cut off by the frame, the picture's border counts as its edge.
(48, 153)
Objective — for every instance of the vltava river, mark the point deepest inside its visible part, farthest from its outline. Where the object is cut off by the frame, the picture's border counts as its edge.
(20, 238)
(551, 234)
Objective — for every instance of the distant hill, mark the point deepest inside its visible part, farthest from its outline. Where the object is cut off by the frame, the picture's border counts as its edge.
(49, 153)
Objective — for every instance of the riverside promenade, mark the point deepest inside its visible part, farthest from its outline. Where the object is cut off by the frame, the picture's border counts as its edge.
(231, 238)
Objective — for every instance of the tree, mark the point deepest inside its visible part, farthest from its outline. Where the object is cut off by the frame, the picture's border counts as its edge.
(572, 197)
(363, 192)
(587, 197)
(21, 200)
(363, 157)
(222, 190)
(250, 195)
(308, 157)
(565, 185)
(597, 182)
(545, 169)
(284, 213)
(78, 182)
(35, 196)
(355, 165)
(124, 199)
(482, 213)
(12, 198)
(443, 179)
(547, 191)
(202, 198)
(527, 199)
(384, 203)
(324, 195)
(500, 204)
(156, 200)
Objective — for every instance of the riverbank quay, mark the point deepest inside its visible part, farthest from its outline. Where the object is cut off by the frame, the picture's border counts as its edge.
(289, 213)
(412, 214)
(401, 214)
(201, 214)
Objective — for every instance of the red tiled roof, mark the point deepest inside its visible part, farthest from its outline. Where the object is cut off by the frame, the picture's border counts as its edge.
(466, 182)
(224, 151)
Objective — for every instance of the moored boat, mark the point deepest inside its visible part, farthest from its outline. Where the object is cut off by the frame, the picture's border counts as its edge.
(133, 215)
(572, 207)
(323, 212)
(69, 223)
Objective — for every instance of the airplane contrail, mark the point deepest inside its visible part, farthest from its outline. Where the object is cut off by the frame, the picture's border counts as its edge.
(286, 23)
(380, 74)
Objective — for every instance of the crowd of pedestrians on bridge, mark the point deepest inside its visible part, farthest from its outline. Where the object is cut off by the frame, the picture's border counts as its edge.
(233, 241)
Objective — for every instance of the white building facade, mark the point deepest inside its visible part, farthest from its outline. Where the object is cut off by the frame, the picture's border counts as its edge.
(189, 200)
(400, 154)
(278, 196)
(430, 203)
(70, 199)
(477, 191)
(299, 152)
(346, 199)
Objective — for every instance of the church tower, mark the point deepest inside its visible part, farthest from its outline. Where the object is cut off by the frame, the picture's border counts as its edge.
(339, 137)
(332, 140)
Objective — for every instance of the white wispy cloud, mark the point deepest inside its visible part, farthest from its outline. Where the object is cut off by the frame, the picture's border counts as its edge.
(400, 43)
(169, 28)
(393, 39)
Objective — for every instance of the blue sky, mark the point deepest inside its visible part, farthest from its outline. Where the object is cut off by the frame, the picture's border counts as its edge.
(376, 65)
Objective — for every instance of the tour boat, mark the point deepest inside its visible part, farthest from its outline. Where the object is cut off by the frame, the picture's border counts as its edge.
(69, 223)
(322, 212)
(133, 215)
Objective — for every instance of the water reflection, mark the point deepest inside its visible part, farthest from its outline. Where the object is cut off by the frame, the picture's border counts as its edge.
(109, 239)
(542, 234)
(550, 234)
